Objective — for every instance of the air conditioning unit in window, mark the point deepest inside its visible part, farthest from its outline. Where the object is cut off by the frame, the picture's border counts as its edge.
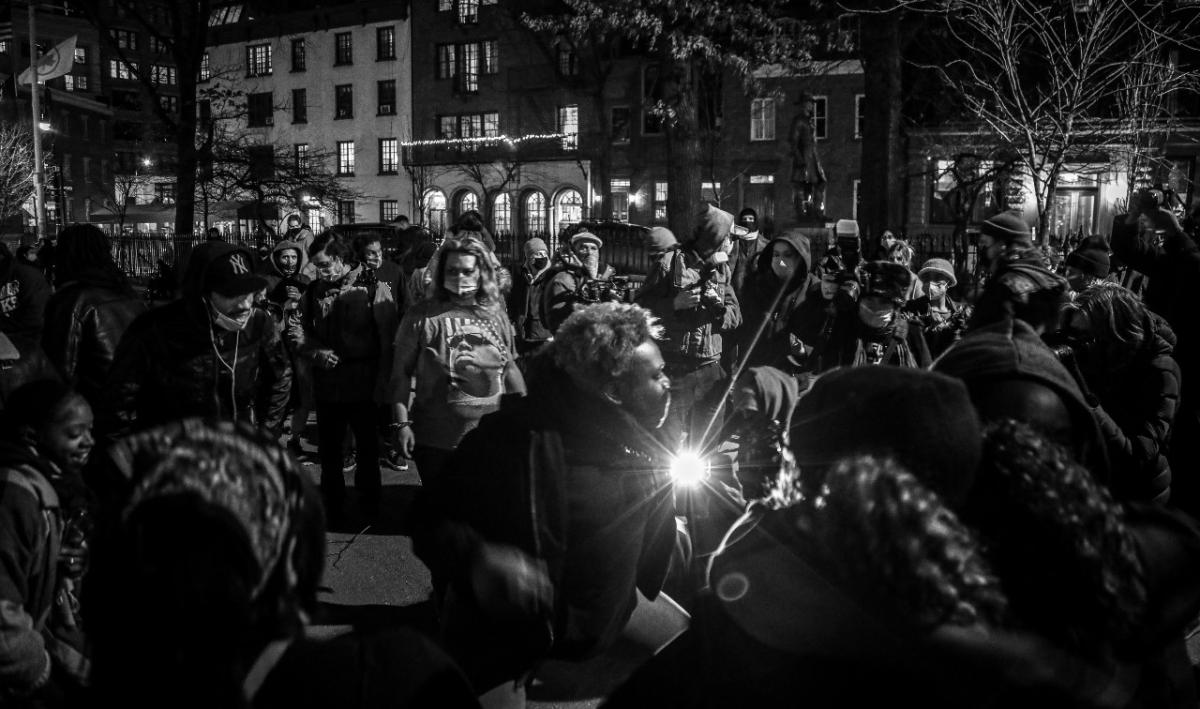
(269, 121)
(386, 109)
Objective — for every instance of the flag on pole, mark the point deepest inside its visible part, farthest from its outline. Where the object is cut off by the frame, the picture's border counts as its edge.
(53, 64)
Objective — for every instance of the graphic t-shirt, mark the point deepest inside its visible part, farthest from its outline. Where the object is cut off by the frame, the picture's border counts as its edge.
(458, 356)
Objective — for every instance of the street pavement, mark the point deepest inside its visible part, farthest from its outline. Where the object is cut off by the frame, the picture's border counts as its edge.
(372, 577)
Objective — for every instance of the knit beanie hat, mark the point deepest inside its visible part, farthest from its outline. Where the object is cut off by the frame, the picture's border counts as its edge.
(660, 240)
(712, 228)
(1012, 350)
(922, 419)
(748, 218)
(886, 280)
(938, 266)
(535, 245)
(586, 236)
(1009, 229)
(1093, 262)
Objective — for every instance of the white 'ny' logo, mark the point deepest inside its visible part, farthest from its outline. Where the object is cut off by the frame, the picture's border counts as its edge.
(238, 263)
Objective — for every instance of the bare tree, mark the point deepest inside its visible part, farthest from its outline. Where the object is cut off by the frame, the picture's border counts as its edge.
(123, 194)
(16, 169)
(1049, 79)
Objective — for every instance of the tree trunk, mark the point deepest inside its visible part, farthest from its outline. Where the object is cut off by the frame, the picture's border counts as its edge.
(884, 178)
(683, 149)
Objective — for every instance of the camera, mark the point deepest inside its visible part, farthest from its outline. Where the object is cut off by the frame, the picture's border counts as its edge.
(1067, 347)
(1148, 199)
(613, 290)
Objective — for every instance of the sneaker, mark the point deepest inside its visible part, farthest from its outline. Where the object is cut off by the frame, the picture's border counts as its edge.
(349, 463)
(395, 461)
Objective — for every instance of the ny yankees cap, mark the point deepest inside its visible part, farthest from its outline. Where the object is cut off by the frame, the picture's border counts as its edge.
(233, 274)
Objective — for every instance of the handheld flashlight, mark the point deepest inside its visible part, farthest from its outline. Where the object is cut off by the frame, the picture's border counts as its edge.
(688, 469)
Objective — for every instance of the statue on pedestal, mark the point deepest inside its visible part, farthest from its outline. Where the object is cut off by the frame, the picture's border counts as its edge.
(808, 177)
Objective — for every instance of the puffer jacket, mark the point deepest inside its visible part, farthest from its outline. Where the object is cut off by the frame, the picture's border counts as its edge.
(695, 335)
(1136, 409)
(174, 363)
(560, 294)
(774, 346)
(84, 324)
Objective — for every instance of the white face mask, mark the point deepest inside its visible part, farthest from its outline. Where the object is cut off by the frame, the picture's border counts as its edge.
(783, 268)
(719, 257)
(873, 318)
(227, 323)
(461, 285)
(936, 290)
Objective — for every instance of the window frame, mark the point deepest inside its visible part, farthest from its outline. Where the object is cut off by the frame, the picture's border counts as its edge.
(394, 153)
(820, 117)
(259, 60)
(390, 32)
(264, 120)
(300, 157)
(302, 56)
(859, 115)
(343, 53)
(379, 93)
(758, 119)
(345, 158)
(343, 110)
(389, 209)
(300, 108)
(570, 140)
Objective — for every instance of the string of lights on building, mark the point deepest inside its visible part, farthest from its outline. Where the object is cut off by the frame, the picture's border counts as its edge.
(483, 140)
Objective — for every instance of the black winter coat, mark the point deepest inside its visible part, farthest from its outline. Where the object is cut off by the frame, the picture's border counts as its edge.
(84, 325)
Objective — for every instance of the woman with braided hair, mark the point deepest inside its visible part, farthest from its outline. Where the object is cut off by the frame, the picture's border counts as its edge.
(206, 574)
(90, 311)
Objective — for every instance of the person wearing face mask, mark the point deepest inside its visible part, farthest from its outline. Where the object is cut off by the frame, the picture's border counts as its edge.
(747, 245)
(284, 271)
(692, 294)
(783, 265)
(346, 329)
(524, 302)
(943, 320)
(876, 332)
(210, 353)
(455, 356)
(566, 289)
(812, 324)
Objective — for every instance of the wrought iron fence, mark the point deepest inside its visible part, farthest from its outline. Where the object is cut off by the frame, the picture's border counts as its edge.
(138, 254)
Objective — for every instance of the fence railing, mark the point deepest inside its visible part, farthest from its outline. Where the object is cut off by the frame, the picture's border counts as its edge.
(624, 245)
(138, 254)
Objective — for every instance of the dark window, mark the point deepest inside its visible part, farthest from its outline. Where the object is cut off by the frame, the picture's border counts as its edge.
(262, 161)
(343, 101)
(298, 57)
(204, 111)
(447, 127)
(568, 61)
(343, 49)
(387, 97)
(125, 39)
(345, 211)
(259, 110)
(299, 106)
(620, 124)
(445, 61)
(164, 193)
(489, 51)
(652, 123)
(170, 104)
(385, 43)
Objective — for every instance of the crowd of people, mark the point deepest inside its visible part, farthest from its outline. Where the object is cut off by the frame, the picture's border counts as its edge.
(768, 472)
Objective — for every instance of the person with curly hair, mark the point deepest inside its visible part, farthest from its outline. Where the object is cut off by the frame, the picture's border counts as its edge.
(220, 540)
(550, 531)
(455, 356)
(1120, 353)
(902, 253)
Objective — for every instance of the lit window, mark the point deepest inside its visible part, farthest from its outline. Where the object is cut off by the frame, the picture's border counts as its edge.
(502, 212)
(120, 70)
(77, 83)
(710, 191)
(568, 208)
(385, 43)
(345, 157)
(468, 12)
(163, 74)
(468, 201)
(300, 151)
(225, 15)
(445, 61)
(258, 60)
(491, 124)
(854, 204)
(445, 5)
(821, 117)
(619, 188)
(762, 179)
(205, 68)
(859, 114)
(81, 55)
(447, 127)
(389, 209)
(468, 67)
(3, 46)
(568, 125)
(343, 49)
(470, 125)
(433, 209)
(491, 60)
(660, 201)
(762, 119)
(125, 39)
(389, 156)
(535, 213)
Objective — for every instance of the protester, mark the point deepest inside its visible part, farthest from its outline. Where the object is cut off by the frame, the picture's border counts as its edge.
(209, 353)
(24, 293)
(347, 332)
(660, 244)
(455, 357)
(901, 253)
(942, 319)
(1086, 267)
(1121, 354)
(286, 284)
(759, 416)
(1021, 291)
(691, 293)
(222, 537)
(833, 298)
(747, 246)
(299, 232)
(369, 251)
(89, 312)
(45, 443)
(775, 290)
(1004, 233)
(573, 276)
(875, 333)
(525, 301)
(553, 520)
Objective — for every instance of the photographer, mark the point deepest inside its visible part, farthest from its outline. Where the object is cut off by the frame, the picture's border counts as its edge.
(581, 279)
(691, 292)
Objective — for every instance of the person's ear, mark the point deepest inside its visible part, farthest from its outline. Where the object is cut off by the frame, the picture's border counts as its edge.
(611, 393)
(28, 435)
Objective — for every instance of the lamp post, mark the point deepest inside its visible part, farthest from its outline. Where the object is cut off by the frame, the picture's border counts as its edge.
(39, 171)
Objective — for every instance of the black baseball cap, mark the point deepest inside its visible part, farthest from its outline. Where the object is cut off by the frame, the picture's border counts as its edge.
(232, 274)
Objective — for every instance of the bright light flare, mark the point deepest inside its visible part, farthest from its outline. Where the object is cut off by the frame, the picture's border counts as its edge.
(688, 469)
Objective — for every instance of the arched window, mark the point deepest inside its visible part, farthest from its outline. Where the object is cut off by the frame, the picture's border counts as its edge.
(535, 213)
(502, 213)
(467, 201)
(433, 210)
(568, 208)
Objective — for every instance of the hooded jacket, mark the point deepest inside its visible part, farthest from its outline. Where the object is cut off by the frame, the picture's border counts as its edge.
(760, 291)
(279, 282)
(174, 363)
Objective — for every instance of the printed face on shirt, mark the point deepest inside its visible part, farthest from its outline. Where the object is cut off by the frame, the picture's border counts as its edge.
(476, 363)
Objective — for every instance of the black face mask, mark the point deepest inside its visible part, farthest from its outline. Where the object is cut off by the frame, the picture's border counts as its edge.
(540, 263)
